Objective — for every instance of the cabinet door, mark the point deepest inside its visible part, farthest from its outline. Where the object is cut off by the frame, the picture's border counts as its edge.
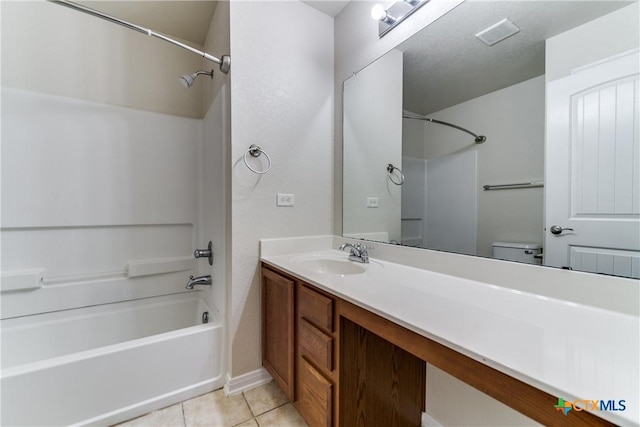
(380, 383)
(278, 329)
(315, 396)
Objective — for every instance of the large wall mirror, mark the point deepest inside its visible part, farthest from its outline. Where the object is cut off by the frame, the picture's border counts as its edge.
(557, 180)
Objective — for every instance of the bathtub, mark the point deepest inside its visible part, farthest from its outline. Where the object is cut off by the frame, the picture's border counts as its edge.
(105, 364)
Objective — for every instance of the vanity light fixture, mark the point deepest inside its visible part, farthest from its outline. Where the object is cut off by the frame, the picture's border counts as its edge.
(398, 12)
(379, 13)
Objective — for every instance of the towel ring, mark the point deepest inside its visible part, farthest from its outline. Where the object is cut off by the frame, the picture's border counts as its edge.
(390, 169)
(256, 151)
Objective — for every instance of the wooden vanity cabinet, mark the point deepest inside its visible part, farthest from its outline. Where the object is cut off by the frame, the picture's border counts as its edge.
(278, 329)
(298, 348)
(301, 336)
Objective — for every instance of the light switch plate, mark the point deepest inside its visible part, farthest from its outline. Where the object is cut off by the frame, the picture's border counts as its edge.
(372, 202)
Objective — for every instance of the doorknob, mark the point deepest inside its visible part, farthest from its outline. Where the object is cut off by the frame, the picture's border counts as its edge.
(556, 229)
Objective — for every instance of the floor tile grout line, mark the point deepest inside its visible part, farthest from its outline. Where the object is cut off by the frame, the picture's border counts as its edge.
(250, 409)
(253, 416)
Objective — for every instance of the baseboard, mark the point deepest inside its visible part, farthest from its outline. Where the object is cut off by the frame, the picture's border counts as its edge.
(246, 381)
(429, 421)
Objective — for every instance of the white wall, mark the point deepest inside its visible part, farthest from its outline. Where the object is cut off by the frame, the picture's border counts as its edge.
(52, 49)
(373, 139)
(611, 34)
(282, 100)
(217, 43)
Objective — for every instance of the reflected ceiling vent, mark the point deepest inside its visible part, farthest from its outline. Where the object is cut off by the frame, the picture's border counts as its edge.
(498, 32)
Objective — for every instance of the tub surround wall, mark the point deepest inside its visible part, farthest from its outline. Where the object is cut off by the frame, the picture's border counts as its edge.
(111, 190)
(282, 100)
(98, 198)
(213, 195)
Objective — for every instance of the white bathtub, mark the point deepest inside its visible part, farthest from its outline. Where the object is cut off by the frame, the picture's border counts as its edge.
(104, 364)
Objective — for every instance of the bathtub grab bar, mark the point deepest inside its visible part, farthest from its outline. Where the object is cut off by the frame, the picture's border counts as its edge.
(25, 280)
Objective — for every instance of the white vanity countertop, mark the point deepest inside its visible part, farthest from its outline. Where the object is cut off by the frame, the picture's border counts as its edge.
(568, 350)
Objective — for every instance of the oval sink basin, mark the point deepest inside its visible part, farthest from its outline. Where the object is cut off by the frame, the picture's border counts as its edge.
(332, 266)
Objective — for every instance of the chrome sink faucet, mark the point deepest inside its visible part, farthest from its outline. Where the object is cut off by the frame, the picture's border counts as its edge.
(358, 252)
(196, 281)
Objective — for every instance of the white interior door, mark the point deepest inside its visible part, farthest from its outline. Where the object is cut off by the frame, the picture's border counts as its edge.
(592, 160)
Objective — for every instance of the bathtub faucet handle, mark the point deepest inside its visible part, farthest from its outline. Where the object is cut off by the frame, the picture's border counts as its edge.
(205, 253)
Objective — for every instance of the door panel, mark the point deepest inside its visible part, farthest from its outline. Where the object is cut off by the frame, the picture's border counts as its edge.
(606, 261)
(592, 168)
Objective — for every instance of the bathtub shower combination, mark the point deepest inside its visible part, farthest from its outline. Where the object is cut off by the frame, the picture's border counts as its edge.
(97, 326)
(108, 363)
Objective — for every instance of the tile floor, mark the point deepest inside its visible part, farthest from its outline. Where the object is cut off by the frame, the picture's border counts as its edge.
(264, 406)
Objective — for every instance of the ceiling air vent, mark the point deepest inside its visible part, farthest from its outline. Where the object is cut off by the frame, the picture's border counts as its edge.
(498, 32)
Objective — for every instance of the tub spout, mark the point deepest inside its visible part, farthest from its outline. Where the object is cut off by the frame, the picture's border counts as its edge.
(200, 280)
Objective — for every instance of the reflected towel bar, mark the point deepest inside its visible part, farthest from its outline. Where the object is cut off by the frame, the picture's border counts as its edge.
(534, 184)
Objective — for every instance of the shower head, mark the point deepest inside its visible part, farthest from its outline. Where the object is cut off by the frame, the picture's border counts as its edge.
(188, 79)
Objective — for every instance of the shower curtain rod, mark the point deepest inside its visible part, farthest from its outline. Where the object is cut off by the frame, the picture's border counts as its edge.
(478, 138)
(225, 61)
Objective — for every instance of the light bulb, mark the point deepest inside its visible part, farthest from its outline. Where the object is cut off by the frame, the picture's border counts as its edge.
(378, 12)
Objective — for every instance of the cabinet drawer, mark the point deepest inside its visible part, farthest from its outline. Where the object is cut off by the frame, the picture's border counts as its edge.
(315, 396)
(315, 345)
(316, 308)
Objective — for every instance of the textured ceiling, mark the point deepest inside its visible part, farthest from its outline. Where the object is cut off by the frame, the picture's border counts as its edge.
(445, 64)
(186, 20)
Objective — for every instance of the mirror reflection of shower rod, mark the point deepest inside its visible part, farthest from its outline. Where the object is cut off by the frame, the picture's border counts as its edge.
(225, 61)
(479, 139)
